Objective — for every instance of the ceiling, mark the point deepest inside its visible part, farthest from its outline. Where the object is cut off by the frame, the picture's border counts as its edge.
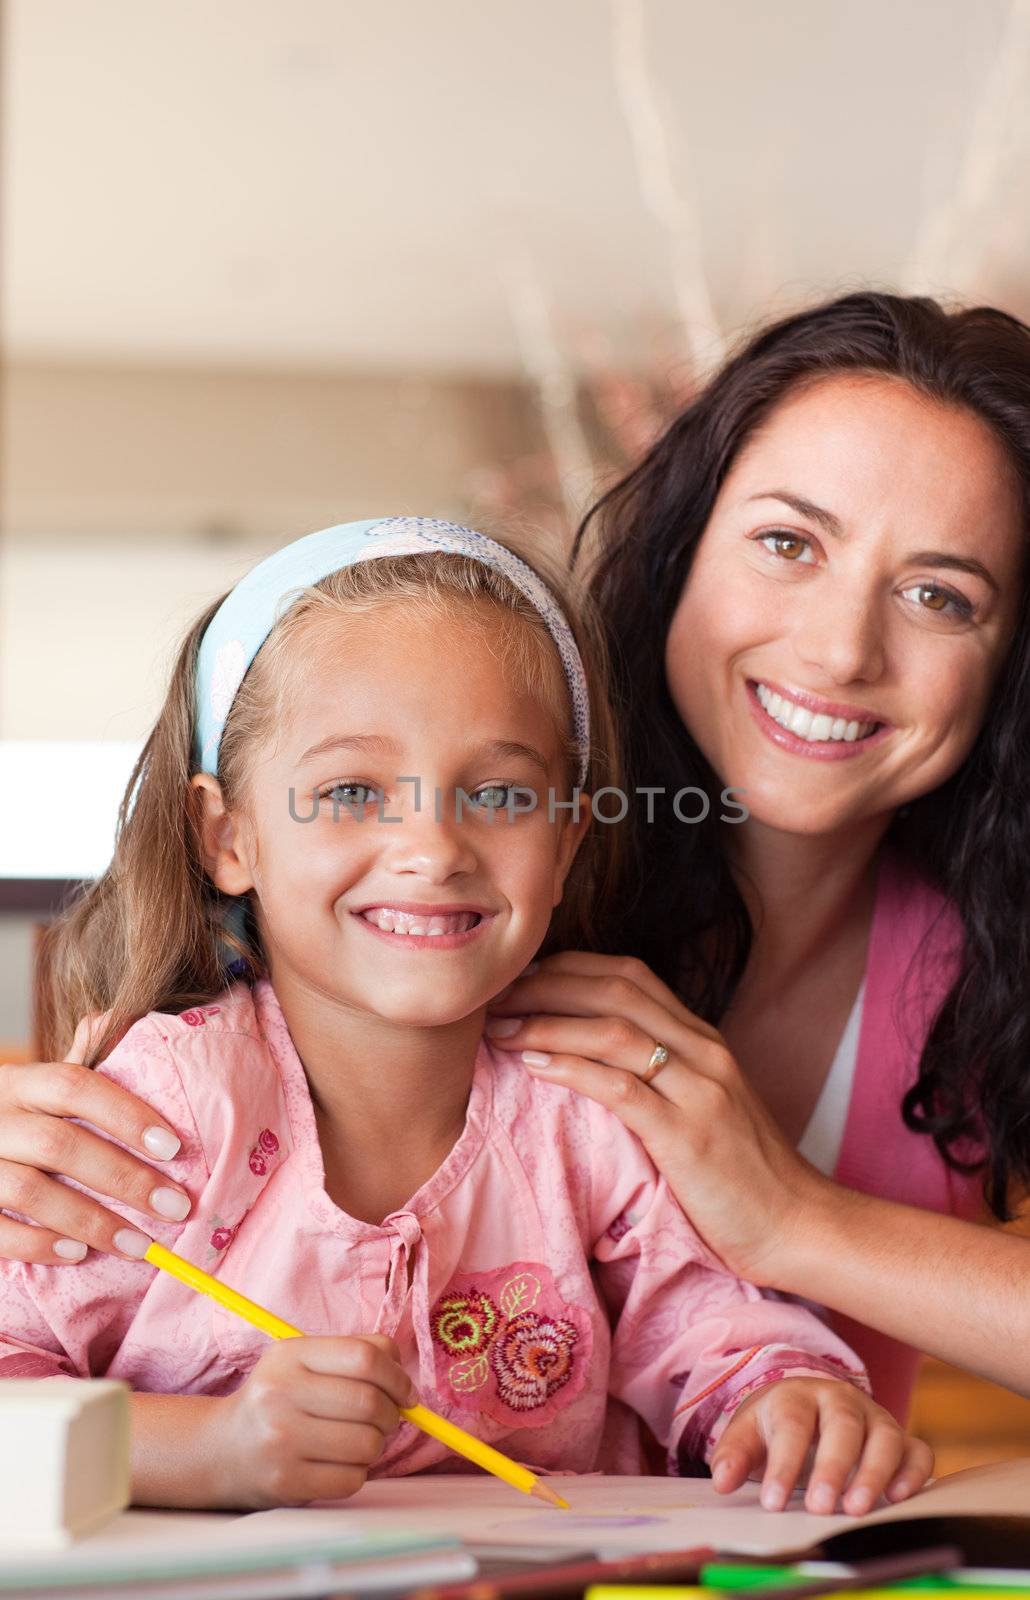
(490, 185)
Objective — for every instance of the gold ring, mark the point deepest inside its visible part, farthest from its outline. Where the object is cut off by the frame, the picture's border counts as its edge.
(659, 1056)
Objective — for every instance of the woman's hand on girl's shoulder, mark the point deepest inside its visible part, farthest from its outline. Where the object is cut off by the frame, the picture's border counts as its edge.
(39, 1142)
(860, 1452)
(593, 1023)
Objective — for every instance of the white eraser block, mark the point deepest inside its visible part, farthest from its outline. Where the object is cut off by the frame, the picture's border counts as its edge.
(64, 1458)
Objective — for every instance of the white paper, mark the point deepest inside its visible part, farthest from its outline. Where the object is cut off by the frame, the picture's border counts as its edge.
(616, 1515)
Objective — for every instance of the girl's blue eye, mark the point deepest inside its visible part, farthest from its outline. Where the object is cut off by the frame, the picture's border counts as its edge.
(492, 797)
(352, 795)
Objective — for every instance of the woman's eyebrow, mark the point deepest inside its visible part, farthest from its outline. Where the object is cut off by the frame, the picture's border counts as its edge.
(834, 526)
(804, 508)
(941, 558)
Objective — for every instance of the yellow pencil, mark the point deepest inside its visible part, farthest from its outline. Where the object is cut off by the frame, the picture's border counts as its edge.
(448, 1433)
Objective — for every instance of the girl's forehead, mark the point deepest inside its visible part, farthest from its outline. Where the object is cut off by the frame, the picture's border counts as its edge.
(402, 672)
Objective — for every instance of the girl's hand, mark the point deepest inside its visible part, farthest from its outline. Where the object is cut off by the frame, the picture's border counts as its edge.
(37, 1140)
(309, 1420)
(591, 1022)
(860, 1451)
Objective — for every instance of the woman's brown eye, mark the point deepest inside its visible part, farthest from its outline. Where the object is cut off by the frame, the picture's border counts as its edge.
(938, 599)
(797, 546)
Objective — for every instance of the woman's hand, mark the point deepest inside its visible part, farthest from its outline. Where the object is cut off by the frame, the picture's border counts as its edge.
(591, 1022)
(37, 1140)
(860, 1452)
(309, 1420)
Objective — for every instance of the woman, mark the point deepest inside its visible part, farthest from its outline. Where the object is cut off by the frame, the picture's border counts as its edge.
(836, 526)
(816, 591)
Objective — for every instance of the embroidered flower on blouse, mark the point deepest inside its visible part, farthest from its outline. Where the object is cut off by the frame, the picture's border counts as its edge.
(532, 1358)
(508, 1352)
(197, 1016)
(265, 1146)
(464, 1323)
(619, 1228)
(223, 1235)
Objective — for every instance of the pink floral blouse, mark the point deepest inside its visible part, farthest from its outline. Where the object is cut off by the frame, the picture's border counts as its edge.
(544, 1288)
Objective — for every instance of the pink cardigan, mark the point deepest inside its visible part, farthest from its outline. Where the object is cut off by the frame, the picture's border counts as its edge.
(543, 1286)
(879, 1155)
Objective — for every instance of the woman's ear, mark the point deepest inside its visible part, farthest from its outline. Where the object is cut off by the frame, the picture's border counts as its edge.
(574, 830)
(226, 857)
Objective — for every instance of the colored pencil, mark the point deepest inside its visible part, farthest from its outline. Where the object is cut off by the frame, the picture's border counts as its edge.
(859, 1579)
(568, 1579)
(447, 1433)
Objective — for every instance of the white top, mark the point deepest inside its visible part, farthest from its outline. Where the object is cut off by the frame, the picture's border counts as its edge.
(821, 1141)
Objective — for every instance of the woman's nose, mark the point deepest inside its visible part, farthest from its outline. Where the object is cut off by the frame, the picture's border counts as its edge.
(841, 637)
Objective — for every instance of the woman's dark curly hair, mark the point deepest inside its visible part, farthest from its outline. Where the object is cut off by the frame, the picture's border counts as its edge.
(970, 837)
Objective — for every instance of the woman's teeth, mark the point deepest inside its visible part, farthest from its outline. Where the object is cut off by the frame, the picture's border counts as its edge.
(805, 724)
(411, 922)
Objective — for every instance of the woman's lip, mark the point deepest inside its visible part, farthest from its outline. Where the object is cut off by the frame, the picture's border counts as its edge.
(425, 941)
(820, 749)
(812, 702)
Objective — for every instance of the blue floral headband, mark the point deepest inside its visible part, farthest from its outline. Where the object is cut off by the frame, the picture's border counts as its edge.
(248, 614)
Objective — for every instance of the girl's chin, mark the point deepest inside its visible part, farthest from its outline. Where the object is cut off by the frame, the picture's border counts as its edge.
(412, 1010)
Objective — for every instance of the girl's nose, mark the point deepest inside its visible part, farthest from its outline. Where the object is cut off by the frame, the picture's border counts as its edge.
(841, 638)
(434, 847)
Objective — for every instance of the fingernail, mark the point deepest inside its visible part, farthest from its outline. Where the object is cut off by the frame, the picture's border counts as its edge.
(412, 1395)
(536, 1058)
(720, 1471)
(859, 1501)
(774, 1497)
(503, 1027)
(69, 1249)
(161, 1143)
(132, 1243)
(823, 1497)
(170, 1203)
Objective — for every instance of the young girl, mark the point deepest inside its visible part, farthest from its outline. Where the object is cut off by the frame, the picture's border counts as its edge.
(363, 799)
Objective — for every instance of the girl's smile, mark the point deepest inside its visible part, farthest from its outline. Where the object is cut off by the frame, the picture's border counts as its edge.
(426, 927)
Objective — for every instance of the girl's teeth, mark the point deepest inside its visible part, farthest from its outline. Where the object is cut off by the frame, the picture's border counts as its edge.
(422, 927)
(812, 727)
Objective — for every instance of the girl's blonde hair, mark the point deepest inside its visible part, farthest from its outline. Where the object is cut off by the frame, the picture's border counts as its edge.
(150, 934)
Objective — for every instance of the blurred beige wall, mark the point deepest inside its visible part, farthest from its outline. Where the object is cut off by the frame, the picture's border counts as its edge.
(132, 496)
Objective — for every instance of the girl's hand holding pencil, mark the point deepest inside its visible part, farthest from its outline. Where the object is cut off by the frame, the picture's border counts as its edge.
(310, 1420)
(370, 1364)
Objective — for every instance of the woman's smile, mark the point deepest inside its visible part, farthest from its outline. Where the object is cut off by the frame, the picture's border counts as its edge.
(802, 731)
